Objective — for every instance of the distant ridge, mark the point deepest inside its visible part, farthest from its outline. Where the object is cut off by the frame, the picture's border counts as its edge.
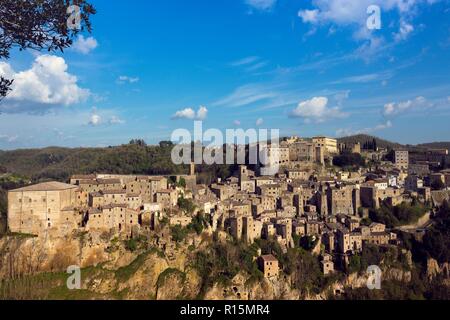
(436, 145)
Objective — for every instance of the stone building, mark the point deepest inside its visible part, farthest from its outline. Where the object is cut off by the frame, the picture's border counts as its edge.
(167, 198)
(349, 241)
(401, 159)
(343, 200)
(330, 145)
(268, 264)
(42, 207)
(115, 218)
(326, 264)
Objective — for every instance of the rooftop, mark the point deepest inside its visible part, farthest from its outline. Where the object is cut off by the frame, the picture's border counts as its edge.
(47, 186)
(269, 258)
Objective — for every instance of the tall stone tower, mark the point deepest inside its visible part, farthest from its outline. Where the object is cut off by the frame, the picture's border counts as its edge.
(192, 169)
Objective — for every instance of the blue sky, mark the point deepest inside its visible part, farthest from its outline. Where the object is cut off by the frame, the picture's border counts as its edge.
(304, 67)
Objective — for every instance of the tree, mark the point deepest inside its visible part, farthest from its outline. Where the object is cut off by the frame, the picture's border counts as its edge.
(349, 160)
(40, 25)
(138, 142)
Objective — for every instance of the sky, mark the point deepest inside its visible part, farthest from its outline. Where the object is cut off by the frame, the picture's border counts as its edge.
(306, 67)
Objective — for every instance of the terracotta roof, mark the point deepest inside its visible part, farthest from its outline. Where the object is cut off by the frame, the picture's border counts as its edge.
(268, 258)
(47, 186)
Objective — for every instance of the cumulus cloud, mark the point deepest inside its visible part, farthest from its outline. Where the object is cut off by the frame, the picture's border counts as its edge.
(103, 117)
(259, 122)
(316, 110)
(84, 45)
(263, 5)
(237, 123)
(190, 114)
(396, 108)
(95, 120)
(47, 83)
(127, 79)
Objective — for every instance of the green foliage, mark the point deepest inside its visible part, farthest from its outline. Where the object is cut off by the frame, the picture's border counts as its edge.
(309, 242)
(349, 160)
(436, 241)
(170, 272)
(198, 223)
(125, 273)
(179, 233)
(138, 142)
(182, 183)
(220, 263)
(400, 215)
(363, 138)
(186, 205)
(134, 243)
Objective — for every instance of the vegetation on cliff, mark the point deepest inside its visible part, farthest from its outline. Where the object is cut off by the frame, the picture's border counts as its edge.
(395, 216)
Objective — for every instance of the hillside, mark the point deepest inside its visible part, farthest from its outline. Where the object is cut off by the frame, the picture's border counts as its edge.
(363, 138)
(436, 145)
(60, 163)
(55, 163)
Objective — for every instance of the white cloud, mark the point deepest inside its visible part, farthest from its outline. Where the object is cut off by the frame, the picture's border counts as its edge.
(405, 30)
(316, 110)
(202, 113)
(246, 95)
(127, 79)
(263, 5)
(354, 13)
(116, 120)
(244, 61)
(190, 114)
(237, 123)
(309, 16)
(47, 83)
(95, 120)
(84, 45)
(259, 122)
(393, 109)
(366, 78)
(345, 12)
(97, 117)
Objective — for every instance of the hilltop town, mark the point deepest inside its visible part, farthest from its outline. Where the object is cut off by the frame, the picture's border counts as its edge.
(328, 198)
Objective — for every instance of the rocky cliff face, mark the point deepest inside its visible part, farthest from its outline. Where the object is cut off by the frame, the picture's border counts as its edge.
(22, 255)
(110, 271)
